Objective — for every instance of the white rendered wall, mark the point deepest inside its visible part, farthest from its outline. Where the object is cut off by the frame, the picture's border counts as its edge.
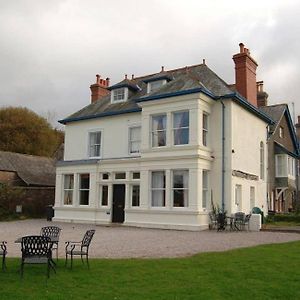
(115, 130)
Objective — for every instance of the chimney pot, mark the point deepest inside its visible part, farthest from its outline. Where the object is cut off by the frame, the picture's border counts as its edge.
(203, 61)
(132, 76)
(162, 68)
(125, 76)
(97, 78)
(241, 47)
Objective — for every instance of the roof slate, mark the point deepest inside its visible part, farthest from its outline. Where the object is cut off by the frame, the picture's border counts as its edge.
(33, 170)
(183, 79)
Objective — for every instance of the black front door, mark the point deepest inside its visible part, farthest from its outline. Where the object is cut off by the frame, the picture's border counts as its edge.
(118, 203)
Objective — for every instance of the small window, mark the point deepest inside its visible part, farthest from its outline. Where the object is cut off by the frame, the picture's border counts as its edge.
(120, 175)
(238, 195)
(159, 123)
(135, 195)
(136, 175)
(281, 132)
(104, 195)
(95, 144)
(155, 85)
(119, 95)
(84, 189)
(205, 195)
(252, 197)
(180, 188)
(134, 139)
(181, 128)
(68, 189)
(205, 129)
(105, 176)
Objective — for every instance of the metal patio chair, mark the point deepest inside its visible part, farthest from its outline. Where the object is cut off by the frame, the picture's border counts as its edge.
(52, 232)
(239, 219)
(79, 248)
(3, 252)
(247, 222)
(36, 249)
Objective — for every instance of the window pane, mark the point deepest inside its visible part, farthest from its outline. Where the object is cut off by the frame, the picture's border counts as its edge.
(180, 179)
(205, 121)
(180, 198)
(181, 136)
(84, 181)
(84, 198)
(158, 198)
(155, 85)
(104, 195)
(95, 143)
(136, 175)
(105, 176)
(68, 197)
(158, 179)
(135, 195)
(205, 193)
(159, 122)
(69, 181)
(120, 176)
(119, 94)
(181, 119)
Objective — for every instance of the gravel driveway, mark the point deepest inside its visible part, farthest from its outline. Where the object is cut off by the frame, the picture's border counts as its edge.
(129, 242)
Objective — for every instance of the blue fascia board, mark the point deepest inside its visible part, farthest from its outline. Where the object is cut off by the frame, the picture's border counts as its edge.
(119, 86)
(247, 105)
(104, 114)
(174, 94)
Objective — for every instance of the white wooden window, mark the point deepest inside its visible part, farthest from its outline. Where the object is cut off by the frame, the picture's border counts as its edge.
(120, 175)
(84, 189)
(155, 85)
(281, 132)
(68, 189)
(95, 144)
(158, 133)
(134, 139)
(119, 95)
(291, 166)
(181, 128)
(135, 195)
(158, 189)
(205, 129)
(180, 188)
(205, 190)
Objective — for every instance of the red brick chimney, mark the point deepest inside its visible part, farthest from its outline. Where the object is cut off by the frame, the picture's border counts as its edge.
(245, 74)
(99, 89)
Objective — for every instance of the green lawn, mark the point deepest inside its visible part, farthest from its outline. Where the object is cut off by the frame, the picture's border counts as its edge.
(263, 272)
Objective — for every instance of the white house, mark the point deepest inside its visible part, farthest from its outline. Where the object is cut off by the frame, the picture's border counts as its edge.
(154, 151)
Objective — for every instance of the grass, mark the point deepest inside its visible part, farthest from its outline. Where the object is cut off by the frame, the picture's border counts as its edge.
(262, 272)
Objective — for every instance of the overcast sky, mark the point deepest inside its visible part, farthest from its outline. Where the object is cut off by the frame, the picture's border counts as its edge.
(50, 51)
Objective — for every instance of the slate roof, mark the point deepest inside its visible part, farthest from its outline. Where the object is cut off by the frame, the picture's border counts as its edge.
(275, 112)
(33, 170)
(187, 80)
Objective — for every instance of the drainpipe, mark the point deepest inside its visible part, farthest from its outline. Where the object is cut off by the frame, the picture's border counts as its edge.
(223, 157)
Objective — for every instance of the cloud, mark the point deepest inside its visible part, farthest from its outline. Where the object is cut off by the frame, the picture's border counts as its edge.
(51, 50)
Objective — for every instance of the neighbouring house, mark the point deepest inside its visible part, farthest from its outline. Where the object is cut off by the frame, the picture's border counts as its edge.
(297, 126)
(156, 150)
(283, 153)
(34, 175)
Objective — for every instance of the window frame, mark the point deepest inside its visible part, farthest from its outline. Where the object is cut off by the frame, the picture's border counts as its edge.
(101, 195)
(180, 128)
(163, 189)
(238, 195)
(159, 130)
(151, 83)
(262, 160)
(83, 189)
(205, 130)
(130, 141)
(173, 189)
(205, 190)
(68, 189)
(95, 131)
(284, 165)
(114, 93)
(132, 194)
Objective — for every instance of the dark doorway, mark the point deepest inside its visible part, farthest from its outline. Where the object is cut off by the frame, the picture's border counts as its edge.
(118, 203)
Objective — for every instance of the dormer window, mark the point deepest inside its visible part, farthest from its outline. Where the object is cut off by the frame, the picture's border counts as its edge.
(155, 85)
(119, 95)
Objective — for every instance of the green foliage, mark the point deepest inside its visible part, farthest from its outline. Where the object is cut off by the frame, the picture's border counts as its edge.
(263, 272)
(8, 200)
(23, 131)
(291, 218)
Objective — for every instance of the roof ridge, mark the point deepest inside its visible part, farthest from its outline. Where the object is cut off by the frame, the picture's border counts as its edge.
(25, 154)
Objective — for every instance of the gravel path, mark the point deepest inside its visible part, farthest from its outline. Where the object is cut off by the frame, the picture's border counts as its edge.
(129, 242)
